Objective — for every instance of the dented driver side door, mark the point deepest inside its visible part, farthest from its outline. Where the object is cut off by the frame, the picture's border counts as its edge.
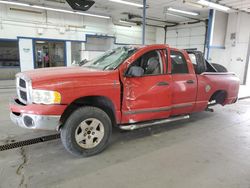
(147, 97)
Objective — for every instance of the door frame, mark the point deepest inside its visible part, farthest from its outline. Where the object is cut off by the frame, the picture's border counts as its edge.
(124, 67)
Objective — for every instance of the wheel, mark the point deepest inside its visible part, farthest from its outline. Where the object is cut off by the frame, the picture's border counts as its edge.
(219, 68)
(86, 132)
(220, 97)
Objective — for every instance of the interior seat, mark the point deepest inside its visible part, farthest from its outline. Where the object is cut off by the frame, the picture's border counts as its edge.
(153, 66)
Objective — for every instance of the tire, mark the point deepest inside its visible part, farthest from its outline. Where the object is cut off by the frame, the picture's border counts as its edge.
(220, 97)
(219, 67)
(86, 132)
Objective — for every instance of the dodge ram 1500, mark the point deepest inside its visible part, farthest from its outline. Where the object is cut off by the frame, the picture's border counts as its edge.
(129, 87)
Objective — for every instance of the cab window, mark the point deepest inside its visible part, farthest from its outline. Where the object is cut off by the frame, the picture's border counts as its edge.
(178, 63)
(151, 63)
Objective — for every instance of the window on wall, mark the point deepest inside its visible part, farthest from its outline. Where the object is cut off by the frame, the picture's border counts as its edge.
(49, 54)
(77, 52)
(178, 63)
(9, 54)
(91, 49)
(96, 43)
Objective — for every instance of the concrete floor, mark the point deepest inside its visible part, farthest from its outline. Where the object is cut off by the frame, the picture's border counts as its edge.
(208, 150)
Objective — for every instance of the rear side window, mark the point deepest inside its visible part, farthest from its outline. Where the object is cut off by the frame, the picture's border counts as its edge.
(193, 59)
(178, 62)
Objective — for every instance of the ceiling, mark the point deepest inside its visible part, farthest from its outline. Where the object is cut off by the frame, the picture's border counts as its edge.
(240, 5)
(157, 9)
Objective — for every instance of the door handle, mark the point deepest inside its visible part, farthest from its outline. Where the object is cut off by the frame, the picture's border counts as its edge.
(162, 84)
(189, 81)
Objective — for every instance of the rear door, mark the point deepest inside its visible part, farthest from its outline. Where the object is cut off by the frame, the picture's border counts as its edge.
(184, 83)
(147, 97)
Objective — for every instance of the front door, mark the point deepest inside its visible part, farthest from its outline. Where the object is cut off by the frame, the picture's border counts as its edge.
(147, 97)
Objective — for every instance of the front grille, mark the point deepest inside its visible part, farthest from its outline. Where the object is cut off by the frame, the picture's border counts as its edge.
(23, 95)
(23, 88)
(22, 83)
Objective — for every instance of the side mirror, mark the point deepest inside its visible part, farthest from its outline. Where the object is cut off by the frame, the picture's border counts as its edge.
(134, 71)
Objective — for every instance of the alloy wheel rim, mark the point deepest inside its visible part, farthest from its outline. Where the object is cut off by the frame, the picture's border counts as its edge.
(89, 133)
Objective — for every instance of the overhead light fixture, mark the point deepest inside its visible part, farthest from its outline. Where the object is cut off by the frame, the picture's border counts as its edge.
(15, 3)
(54, 9)
(183, 11)
(193, 4)
(40, 42)
(123, 21)
(127, 3)
(175, 15)
(121, 25)
(213, 5)
(25, 10)
(126, 22)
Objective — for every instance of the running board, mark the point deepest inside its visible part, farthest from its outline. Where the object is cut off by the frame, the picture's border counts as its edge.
(134, 126)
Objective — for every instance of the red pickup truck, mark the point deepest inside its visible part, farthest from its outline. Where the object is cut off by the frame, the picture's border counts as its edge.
(129, 87)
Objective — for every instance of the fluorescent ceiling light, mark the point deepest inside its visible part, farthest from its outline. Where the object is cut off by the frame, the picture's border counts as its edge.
(121, 25)
(123, 21)
(178, 16)
(53, 9)
(213, 5)
(183, 11)
(15, 3)
(127, 3)
(40, 42)
(193, 4)
(127, 22)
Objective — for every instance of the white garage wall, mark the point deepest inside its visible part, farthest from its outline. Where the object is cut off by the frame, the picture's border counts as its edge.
(234, 55)
(65, 26)
(69, 27)
(219, 29)
(183, 36)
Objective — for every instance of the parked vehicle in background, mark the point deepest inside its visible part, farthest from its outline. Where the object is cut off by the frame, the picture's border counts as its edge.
(128, 87)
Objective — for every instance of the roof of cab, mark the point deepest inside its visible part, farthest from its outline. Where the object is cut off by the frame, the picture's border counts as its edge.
(153, 46)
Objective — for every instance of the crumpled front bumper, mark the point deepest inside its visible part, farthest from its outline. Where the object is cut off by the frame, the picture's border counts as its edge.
(34, 116)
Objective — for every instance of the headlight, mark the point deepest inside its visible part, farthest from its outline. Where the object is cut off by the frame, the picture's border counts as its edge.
(45, 97)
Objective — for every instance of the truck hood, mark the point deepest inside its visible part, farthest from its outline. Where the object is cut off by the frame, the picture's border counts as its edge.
(49, 78)
(61, 73)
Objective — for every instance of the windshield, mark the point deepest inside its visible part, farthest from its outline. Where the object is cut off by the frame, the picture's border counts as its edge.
(111, 59)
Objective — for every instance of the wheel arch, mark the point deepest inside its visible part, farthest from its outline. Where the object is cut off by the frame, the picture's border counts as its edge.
(101, 102)
(219, 96)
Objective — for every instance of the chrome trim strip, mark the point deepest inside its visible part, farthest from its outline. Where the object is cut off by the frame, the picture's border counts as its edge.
(217, 73)
(27, 89)
(22, 89)
(182, 105)
(147, 124)
(148, 110)
(152, 110)
(17, 90)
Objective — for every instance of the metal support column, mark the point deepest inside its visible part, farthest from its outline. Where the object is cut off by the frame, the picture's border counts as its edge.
(245, 79)
(144, 22)
(165, 34)
(205, 40)
(209, 31)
